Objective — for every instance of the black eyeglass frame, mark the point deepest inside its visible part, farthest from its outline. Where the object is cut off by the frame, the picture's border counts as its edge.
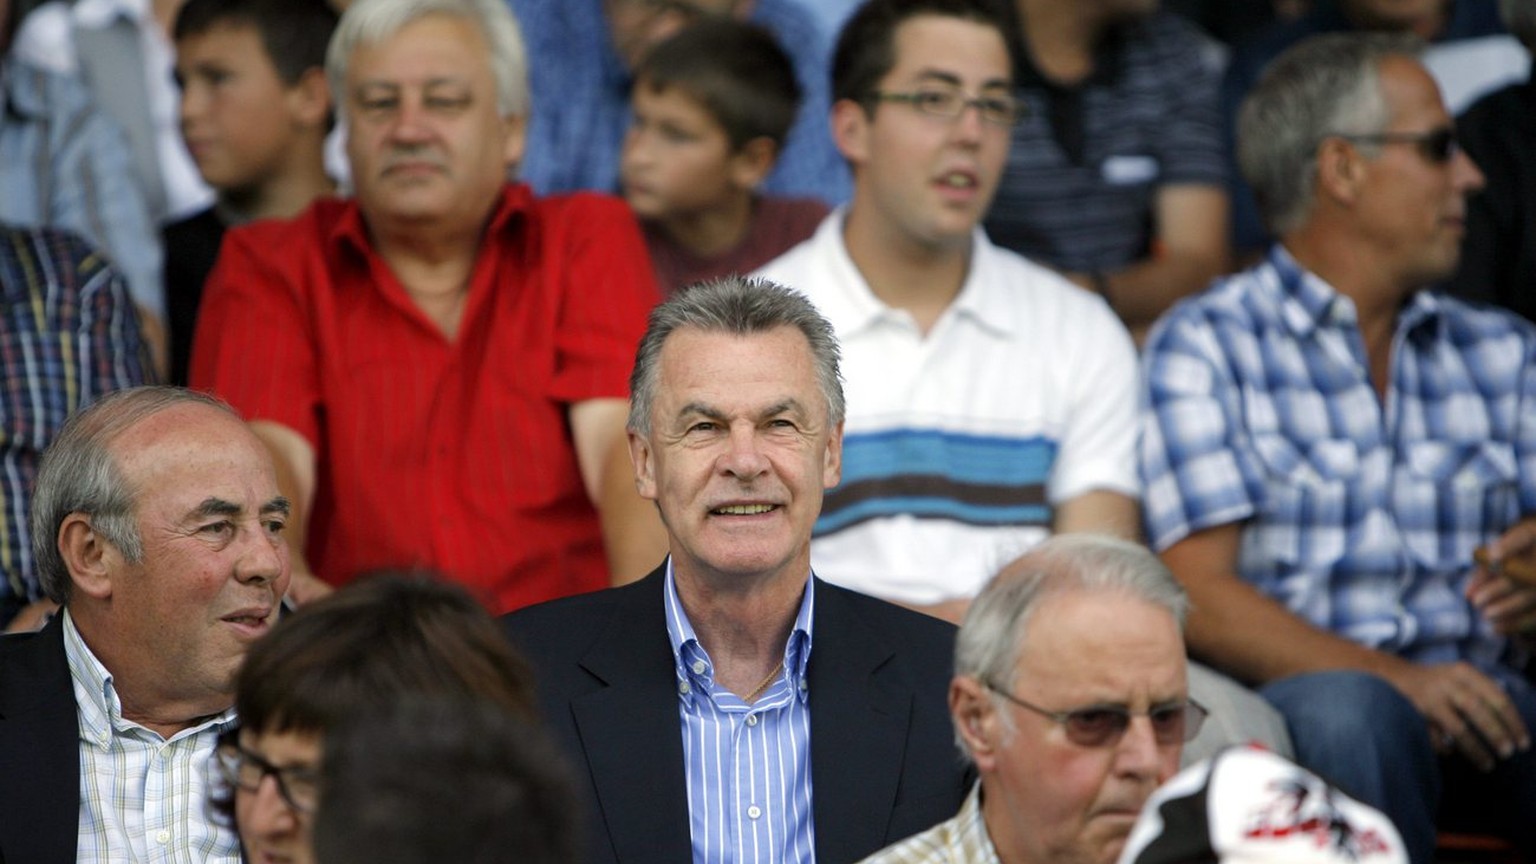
(230, 758)
(1194, 718)
(1437, 145)
(919, 99)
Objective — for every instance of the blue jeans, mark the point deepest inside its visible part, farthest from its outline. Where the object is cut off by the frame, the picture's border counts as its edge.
(1358, 731)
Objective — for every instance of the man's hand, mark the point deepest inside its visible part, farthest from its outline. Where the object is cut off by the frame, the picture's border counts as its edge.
(1467, 711)
(1509, 603)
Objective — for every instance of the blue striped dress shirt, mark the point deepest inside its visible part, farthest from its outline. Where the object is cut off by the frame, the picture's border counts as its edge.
(748, 766)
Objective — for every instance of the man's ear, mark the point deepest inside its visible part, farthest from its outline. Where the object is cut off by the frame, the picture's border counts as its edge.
(750, 165)
(309, 99)
(1340, 168)
(850, 130)
(640, 457)
(832, 462)
(976, 722)
(86, 556)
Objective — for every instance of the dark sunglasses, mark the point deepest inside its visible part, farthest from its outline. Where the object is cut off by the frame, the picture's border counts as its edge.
(1436, 145)
(1105, 725)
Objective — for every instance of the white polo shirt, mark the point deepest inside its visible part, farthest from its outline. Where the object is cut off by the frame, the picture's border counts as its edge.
(960, 444)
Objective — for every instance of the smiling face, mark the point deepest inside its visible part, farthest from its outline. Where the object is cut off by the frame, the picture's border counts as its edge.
(240, 120)
(1044, 797)
(1410, 207)
(175, 625)
(425, 139)
(921, 179)
(271, 830)
(738, 453)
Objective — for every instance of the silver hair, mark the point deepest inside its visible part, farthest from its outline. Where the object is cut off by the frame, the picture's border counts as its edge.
(1520, 20)
(369, 22)
(1325, 85)
(992, 635)
(79, 474)
(740, 307)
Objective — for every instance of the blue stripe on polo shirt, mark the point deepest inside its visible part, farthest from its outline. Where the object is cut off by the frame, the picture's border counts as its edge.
(926, 473)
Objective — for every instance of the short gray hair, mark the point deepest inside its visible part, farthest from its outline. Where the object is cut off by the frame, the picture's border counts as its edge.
(1325, 85)
(992, 634)
(369, 22)
(740, 307)
(79, 474)
(1520, 20)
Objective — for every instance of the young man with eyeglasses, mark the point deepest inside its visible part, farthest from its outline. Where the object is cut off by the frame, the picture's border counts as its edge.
(991, 403)
(1328, 446)
(1070, 695)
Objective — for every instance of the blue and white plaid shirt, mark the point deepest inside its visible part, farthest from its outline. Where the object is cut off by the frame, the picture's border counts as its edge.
(1361, 514)
(748, 766)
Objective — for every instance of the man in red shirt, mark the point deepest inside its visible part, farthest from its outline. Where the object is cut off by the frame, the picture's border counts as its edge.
(440, 366)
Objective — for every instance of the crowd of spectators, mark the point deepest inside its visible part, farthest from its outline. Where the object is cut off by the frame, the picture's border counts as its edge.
(771, 308)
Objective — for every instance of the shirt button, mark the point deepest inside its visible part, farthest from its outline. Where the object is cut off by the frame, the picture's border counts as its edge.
(803, 685)
(683, 688)
(699, 667)
(754, 811)
(751, 719)
(163, 837)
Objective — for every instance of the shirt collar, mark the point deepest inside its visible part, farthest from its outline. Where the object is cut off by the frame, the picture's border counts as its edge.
(693, 665)
(99, 708)
(1309, 303)
(982, 299)
(351, 230)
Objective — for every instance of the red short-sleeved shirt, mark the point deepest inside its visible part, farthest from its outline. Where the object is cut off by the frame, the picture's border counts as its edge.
(453, 454)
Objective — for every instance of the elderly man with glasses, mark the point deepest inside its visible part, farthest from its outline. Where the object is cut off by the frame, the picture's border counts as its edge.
(1340, 464)
(1070, 696)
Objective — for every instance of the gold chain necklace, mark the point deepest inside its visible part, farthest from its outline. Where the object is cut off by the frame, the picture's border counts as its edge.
(756, 691)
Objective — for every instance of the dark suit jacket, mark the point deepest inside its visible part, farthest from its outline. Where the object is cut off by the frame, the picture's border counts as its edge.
(39, 749)
(883, 759)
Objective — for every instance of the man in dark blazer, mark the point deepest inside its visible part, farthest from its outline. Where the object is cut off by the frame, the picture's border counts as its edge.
(157, 528)
(731, 706)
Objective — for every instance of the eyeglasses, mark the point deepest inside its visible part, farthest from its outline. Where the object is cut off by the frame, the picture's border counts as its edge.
(1104, 725)
(1436, 145)
(298, 785)
(951, 102)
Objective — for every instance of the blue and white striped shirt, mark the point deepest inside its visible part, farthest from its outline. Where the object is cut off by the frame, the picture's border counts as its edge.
(748, 766)
(1361, 513)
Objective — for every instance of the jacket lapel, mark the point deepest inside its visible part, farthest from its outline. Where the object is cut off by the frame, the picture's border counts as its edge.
(859, 720)
(632, 736)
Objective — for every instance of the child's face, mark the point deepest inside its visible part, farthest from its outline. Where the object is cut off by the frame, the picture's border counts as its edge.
(677, 160)
(239, 119)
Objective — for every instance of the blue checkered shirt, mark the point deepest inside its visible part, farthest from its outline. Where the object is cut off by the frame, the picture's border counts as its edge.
(1361, 514)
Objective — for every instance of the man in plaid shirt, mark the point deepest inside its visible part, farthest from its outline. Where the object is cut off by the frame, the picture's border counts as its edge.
(1327, 445)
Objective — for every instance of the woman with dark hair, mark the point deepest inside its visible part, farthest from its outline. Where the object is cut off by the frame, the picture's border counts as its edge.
(374, 642)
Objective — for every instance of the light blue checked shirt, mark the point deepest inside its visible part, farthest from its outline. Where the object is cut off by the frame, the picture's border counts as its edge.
(1361, 514)
(143, 798)
(748, 766)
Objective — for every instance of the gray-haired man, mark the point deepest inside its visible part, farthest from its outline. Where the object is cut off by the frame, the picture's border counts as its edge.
(732, 707)
(1329, 445)
(157, 527)
(1070, 696)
